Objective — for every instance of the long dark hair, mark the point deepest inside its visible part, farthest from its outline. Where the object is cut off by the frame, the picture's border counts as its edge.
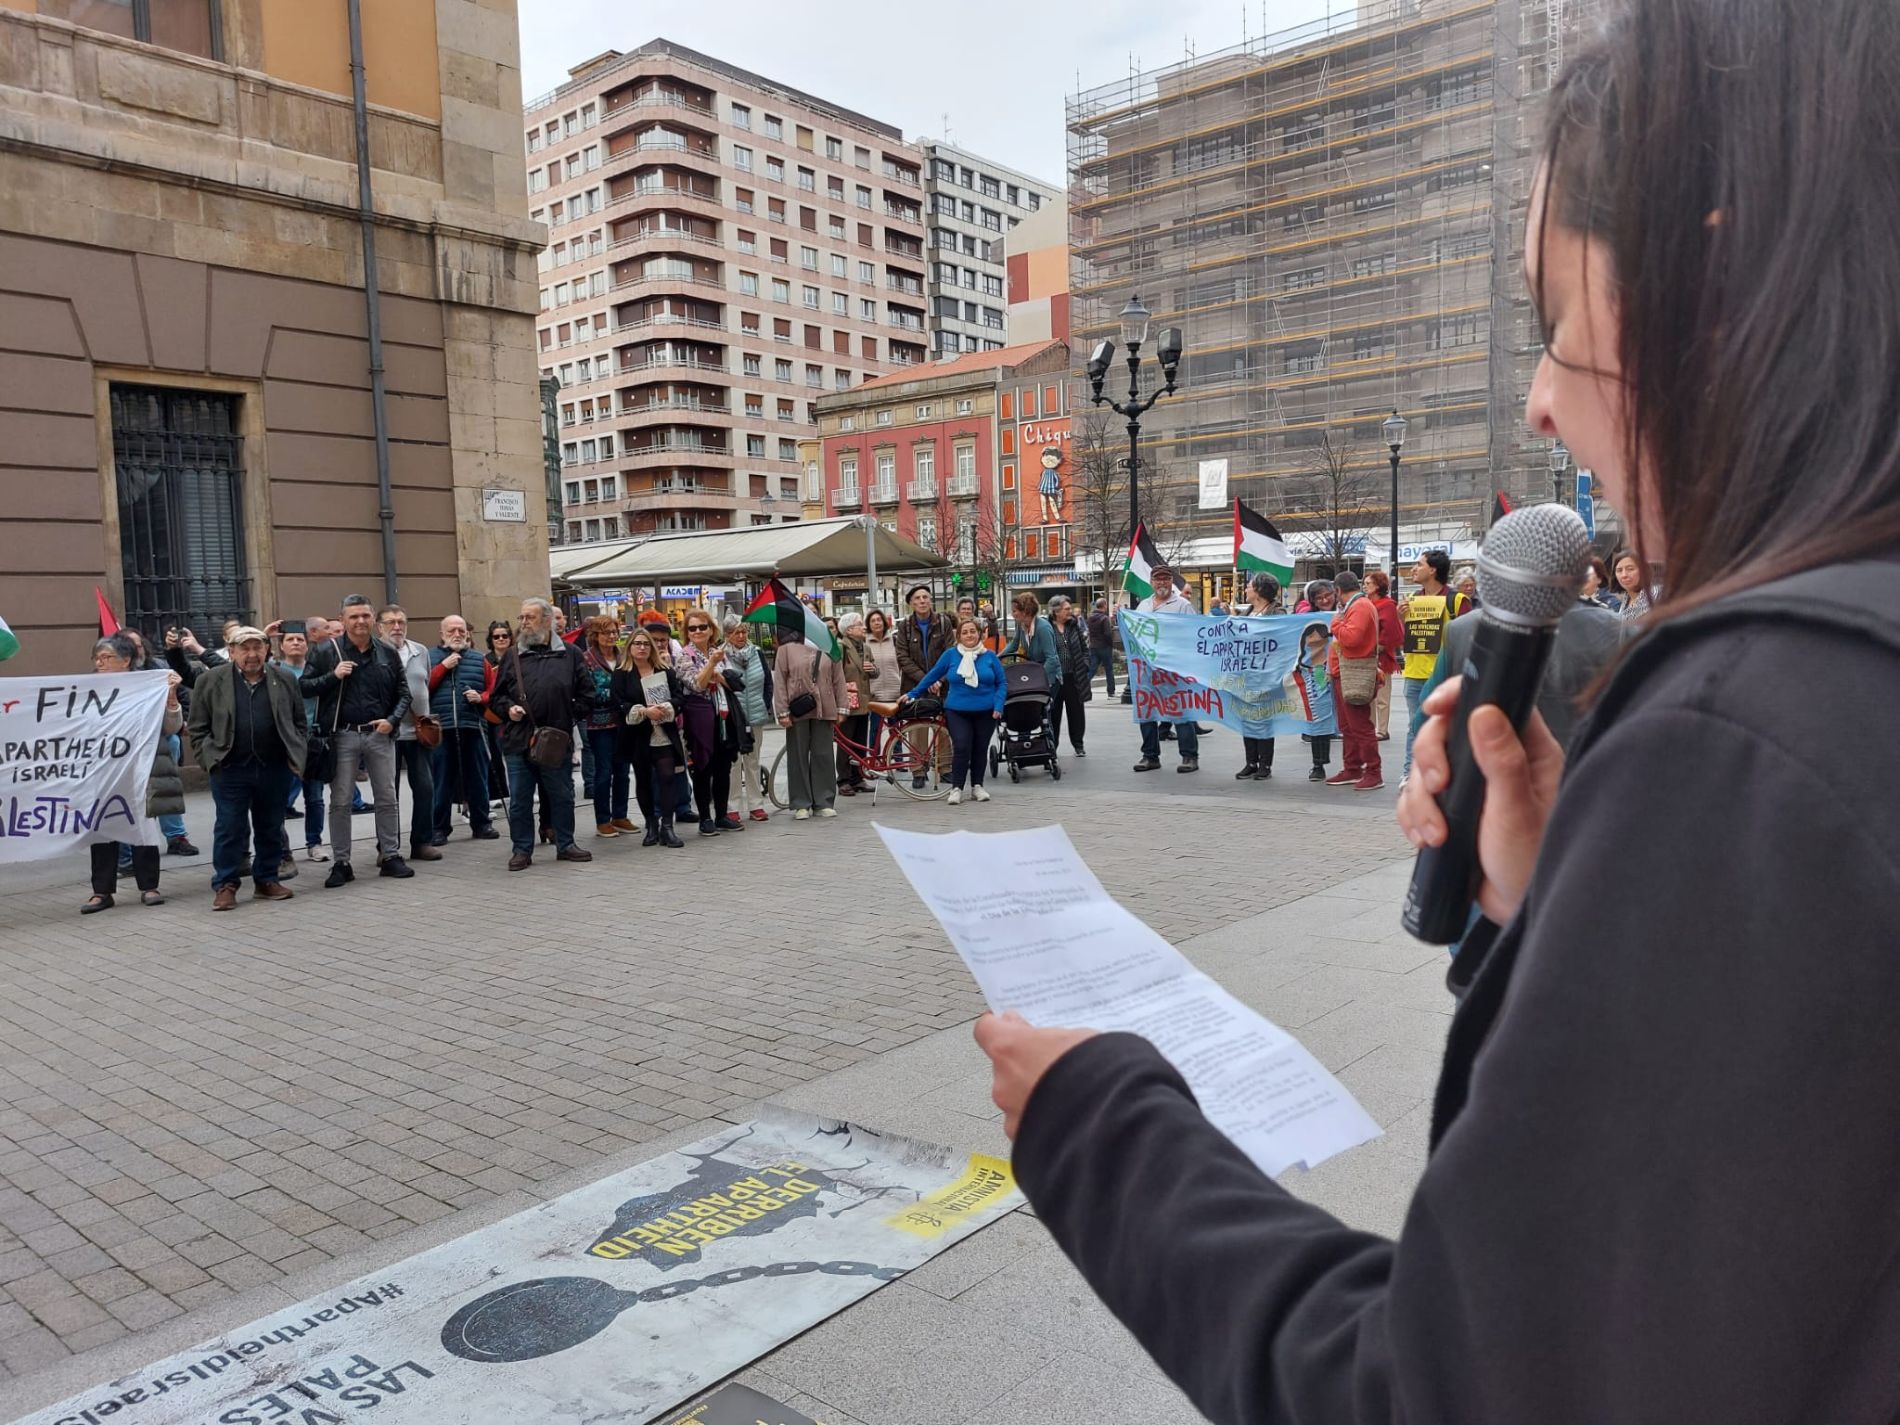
(1739, 160)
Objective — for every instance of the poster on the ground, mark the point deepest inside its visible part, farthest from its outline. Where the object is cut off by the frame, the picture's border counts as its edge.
(75, 761)
(737, 1404)
(1263, 677)
(616, 1301)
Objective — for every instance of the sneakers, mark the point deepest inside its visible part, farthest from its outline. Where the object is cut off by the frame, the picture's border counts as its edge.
(955, 798)
(1344, 778)
(802, 814)
(1371, 782)
(731, 821)
(316, 855)
(1189, 764)
(180, 846)
(340, 875)
(1318, 774)
(621, 823)
(396, 868)
(1148, 764)
(761, 814)
(827, 811)
(1263, 774)
(606, 828)
(1078, 750)
(1246, 774)
(708, 827)
(287, 870)
(980, 792)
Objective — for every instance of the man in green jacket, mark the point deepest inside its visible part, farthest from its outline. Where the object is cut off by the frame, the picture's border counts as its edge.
(247, 729)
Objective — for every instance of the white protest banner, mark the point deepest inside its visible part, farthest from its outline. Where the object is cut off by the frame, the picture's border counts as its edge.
(75, 760)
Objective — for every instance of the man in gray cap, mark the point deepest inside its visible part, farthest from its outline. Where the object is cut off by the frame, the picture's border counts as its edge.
(247, 730)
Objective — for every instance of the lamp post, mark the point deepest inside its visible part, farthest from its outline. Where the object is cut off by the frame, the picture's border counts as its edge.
(1134, 333)
(1559, 462)
(1393, 428)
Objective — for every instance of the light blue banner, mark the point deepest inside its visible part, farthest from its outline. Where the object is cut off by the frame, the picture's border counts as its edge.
(1251, 674)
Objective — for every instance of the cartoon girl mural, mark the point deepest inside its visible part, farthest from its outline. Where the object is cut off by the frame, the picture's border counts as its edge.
(1051, 486)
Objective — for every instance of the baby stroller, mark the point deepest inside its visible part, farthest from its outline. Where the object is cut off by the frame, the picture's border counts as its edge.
(1024, 740)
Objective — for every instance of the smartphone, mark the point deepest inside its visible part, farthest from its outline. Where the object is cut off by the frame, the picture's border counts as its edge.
(292, 625)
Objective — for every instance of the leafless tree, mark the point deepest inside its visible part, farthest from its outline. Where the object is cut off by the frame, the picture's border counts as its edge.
(1337, 498)
(1098, 491)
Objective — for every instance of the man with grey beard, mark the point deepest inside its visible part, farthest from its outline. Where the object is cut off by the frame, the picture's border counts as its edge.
(541, 687)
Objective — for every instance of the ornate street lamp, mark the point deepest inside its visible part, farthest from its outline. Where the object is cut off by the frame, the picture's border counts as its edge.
(1393, 428)
(1135, 319)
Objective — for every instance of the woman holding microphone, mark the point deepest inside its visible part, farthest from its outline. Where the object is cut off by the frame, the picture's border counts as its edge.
(1664, 1147)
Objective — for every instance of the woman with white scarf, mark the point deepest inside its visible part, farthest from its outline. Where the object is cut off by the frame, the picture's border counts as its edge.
(972, 705)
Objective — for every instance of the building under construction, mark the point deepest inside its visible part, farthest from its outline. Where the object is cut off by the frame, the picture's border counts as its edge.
(1333, 217)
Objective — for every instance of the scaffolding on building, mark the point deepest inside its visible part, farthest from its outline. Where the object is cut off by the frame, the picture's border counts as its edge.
(1332, 215)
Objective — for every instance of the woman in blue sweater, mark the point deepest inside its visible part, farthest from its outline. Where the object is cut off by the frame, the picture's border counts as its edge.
(972, 705)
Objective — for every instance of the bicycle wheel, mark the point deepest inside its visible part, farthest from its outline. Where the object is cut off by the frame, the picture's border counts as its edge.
(920, 749)
(778, 782)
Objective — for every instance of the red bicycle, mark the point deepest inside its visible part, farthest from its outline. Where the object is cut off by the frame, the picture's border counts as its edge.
(910, 745)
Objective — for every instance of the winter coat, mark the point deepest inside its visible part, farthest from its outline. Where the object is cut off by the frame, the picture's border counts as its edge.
(916, 653)
(1072, 643)
(1041, 649)
(754, 695)
(448, 685)
(165, 793)
(795, 674)
(888, 681)
(212, 726)
(636, 738)
(558, 689)
(854, 675)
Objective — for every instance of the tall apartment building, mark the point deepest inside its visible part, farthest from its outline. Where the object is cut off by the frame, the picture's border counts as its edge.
(1332, 215)
(973, 204)
(723, 250)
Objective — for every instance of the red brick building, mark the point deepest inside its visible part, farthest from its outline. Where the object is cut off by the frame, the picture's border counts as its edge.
(941, 454)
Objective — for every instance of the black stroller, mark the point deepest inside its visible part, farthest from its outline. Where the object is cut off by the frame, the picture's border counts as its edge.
(1024, 738)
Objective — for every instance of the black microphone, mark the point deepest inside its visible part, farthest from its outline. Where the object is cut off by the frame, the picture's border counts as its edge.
(1530, 574)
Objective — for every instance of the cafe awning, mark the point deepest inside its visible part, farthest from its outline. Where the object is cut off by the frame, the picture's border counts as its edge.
(806, 549)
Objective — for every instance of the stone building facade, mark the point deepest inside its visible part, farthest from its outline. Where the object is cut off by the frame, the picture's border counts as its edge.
(185, 395)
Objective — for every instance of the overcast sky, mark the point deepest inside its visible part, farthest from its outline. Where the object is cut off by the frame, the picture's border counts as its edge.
(1000, 69)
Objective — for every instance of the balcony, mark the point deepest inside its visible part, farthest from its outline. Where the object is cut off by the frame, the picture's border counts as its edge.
(689, 201)
(670, 456)
(847, 498)
(884, 493)
(904, 213)
(657, 240)
(906, 176)
(670, 320)
(963, 487)
(660, 99)
(677, 403)
(909, 285)
(656, 363)
(921, 492)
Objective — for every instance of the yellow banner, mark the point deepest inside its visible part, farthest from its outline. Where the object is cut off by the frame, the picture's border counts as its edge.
(982, 1182)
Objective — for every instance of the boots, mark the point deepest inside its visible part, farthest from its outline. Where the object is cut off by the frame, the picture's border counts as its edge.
(667, 838)
(652, 838)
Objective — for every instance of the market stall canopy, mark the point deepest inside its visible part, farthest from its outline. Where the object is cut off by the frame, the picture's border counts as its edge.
(807, 549)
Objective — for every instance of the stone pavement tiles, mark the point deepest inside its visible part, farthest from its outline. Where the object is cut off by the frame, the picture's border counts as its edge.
(205, 1117)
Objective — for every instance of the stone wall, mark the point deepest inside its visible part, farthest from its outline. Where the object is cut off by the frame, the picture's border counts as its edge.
(169, 219)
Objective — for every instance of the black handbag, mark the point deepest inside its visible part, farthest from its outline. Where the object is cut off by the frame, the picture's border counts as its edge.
(319, 757)
(805, 704)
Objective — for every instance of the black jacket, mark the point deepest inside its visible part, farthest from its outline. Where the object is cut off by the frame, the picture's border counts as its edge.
(637, 737)
(321, 682)
(1662, 1184)
(559, 689)
(1072, 644)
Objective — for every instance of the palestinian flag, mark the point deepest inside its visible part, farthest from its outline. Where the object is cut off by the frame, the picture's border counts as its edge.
(1500, 507)
(1257, 545)
(1142, 558)
(781, 608)
(9, 645)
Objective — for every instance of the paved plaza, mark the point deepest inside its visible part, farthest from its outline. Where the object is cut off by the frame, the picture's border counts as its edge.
(204, 1118)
